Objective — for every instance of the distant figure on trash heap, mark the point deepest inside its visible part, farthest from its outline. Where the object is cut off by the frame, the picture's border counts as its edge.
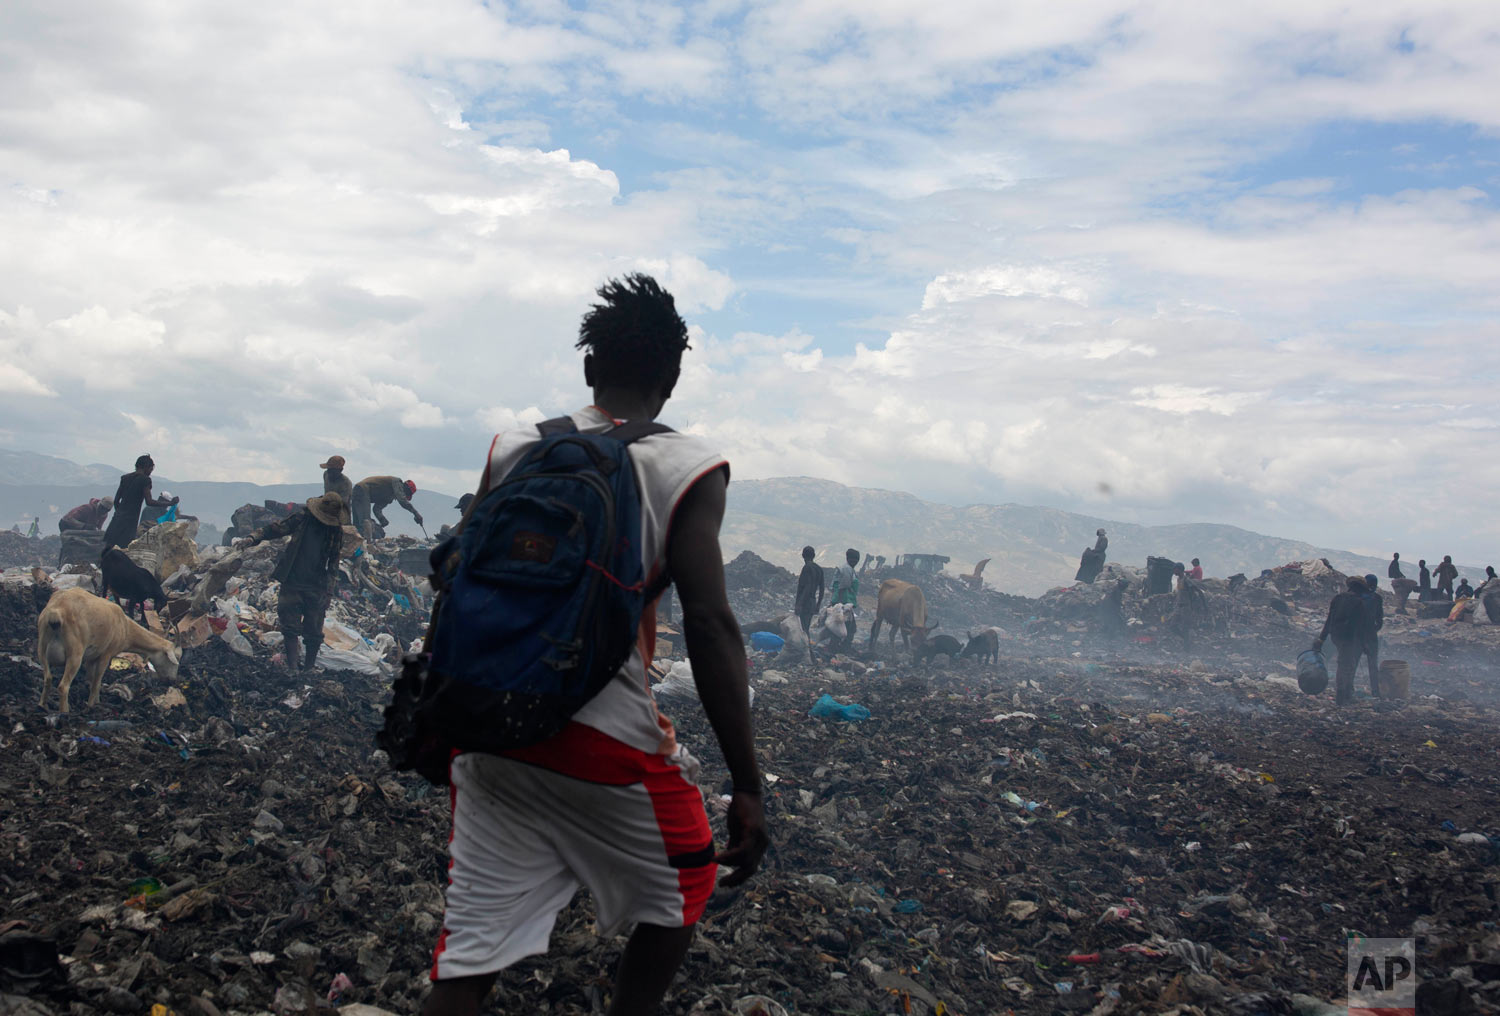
(306, 569)
(334, 480)
(1374, 621)
(1091, 564)
(1445, 574)
(373, 493)
(809, 589)
(462, 508)
(1347, 623)
(130, 499)
(1488, 595)
(1401, 586)
(1189, 605)
(611, 801)
(86, 516)
(1196, 571)
(845, 589)
(1424, 581)
(1464, 590)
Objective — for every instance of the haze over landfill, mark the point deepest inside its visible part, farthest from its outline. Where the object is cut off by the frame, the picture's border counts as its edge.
(1157, 263)
(1121, 372)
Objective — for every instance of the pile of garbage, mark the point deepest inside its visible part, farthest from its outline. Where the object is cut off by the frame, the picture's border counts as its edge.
(18, 551)
(1049, 834)
(757, 588)
(1092, 824)
(380, 606)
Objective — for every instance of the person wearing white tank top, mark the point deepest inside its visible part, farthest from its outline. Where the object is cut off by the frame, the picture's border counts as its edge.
(612, 801)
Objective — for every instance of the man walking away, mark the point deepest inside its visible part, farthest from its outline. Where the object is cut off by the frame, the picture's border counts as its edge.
(612, 800)
(846, 590)
(1393, 570)
(307, 570)
(1424, 582)
(809, 589)
(1345, 625)
(335, 482)
(133, 495)
(1446, 573)
(1374, 621)
(373, 493)
(86, 516)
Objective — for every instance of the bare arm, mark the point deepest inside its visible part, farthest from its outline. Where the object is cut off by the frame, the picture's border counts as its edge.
(718, 658)
(159, 502)
(1323, 635)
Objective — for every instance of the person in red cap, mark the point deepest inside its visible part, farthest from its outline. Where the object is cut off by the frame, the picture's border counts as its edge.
(334, 480)
(373, 493)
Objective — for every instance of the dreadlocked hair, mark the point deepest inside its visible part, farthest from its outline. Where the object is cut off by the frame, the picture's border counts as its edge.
(634, 334)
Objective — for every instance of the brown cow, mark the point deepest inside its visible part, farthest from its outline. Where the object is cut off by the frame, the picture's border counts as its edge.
(903, 607)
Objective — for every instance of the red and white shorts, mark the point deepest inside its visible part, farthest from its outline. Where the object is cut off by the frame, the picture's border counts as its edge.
(530, 826)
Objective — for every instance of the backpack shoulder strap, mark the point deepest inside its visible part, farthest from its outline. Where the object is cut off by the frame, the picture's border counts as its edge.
(632, 431)
(557, 425)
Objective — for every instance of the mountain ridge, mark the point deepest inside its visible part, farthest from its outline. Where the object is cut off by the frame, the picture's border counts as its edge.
(1032, 548)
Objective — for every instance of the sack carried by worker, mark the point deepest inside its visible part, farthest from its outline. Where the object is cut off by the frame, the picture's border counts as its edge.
(1312, 672)
(539, 603)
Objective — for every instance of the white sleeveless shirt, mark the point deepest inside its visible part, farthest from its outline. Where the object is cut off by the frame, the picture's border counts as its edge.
(666, 467)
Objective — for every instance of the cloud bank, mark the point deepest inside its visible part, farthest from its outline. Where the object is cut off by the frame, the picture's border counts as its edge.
(1162, 262)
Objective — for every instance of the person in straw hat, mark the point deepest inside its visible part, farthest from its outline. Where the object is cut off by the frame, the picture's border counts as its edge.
(306, 569)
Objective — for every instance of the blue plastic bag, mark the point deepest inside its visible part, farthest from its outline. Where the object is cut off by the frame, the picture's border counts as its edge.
(830, 708)
(767, 642)
(169, 516)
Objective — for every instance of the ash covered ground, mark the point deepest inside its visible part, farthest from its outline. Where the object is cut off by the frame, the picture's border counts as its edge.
(1102, 822)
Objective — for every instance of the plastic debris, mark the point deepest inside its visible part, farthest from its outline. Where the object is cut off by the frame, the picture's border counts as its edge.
(829, 708)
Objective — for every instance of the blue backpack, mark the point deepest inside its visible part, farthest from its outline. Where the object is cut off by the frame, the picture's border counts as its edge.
(540, 600)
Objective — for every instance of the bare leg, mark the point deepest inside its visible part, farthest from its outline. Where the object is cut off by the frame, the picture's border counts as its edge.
(459, 996)
(651, 959)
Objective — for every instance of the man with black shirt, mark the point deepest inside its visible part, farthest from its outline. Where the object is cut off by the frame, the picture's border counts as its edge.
(1445, 574)
(132, 496)
(809, 589)
(1345, 624)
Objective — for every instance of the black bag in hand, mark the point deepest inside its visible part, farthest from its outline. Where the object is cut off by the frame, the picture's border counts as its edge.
(408, 742)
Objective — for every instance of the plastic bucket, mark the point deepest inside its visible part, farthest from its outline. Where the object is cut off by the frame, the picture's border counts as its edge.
(1395, 679)
(1312, 672)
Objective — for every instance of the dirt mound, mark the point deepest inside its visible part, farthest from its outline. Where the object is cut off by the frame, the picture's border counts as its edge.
(749, 571)
(17, 551)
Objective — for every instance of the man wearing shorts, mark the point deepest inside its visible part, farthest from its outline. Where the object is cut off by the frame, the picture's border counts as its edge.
(612, 802)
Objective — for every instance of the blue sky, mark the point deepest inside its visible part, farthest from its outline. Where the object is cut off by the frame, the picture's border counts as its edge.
(1151, 261)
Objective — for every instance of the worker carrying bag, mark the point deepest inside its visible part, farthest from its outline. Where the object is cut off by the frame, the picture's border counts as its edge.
(539, 602)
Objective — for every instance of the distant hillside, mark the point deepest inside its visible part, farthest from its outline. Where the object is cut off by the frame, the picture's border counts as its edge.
(1032, 549)
(23, 468)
